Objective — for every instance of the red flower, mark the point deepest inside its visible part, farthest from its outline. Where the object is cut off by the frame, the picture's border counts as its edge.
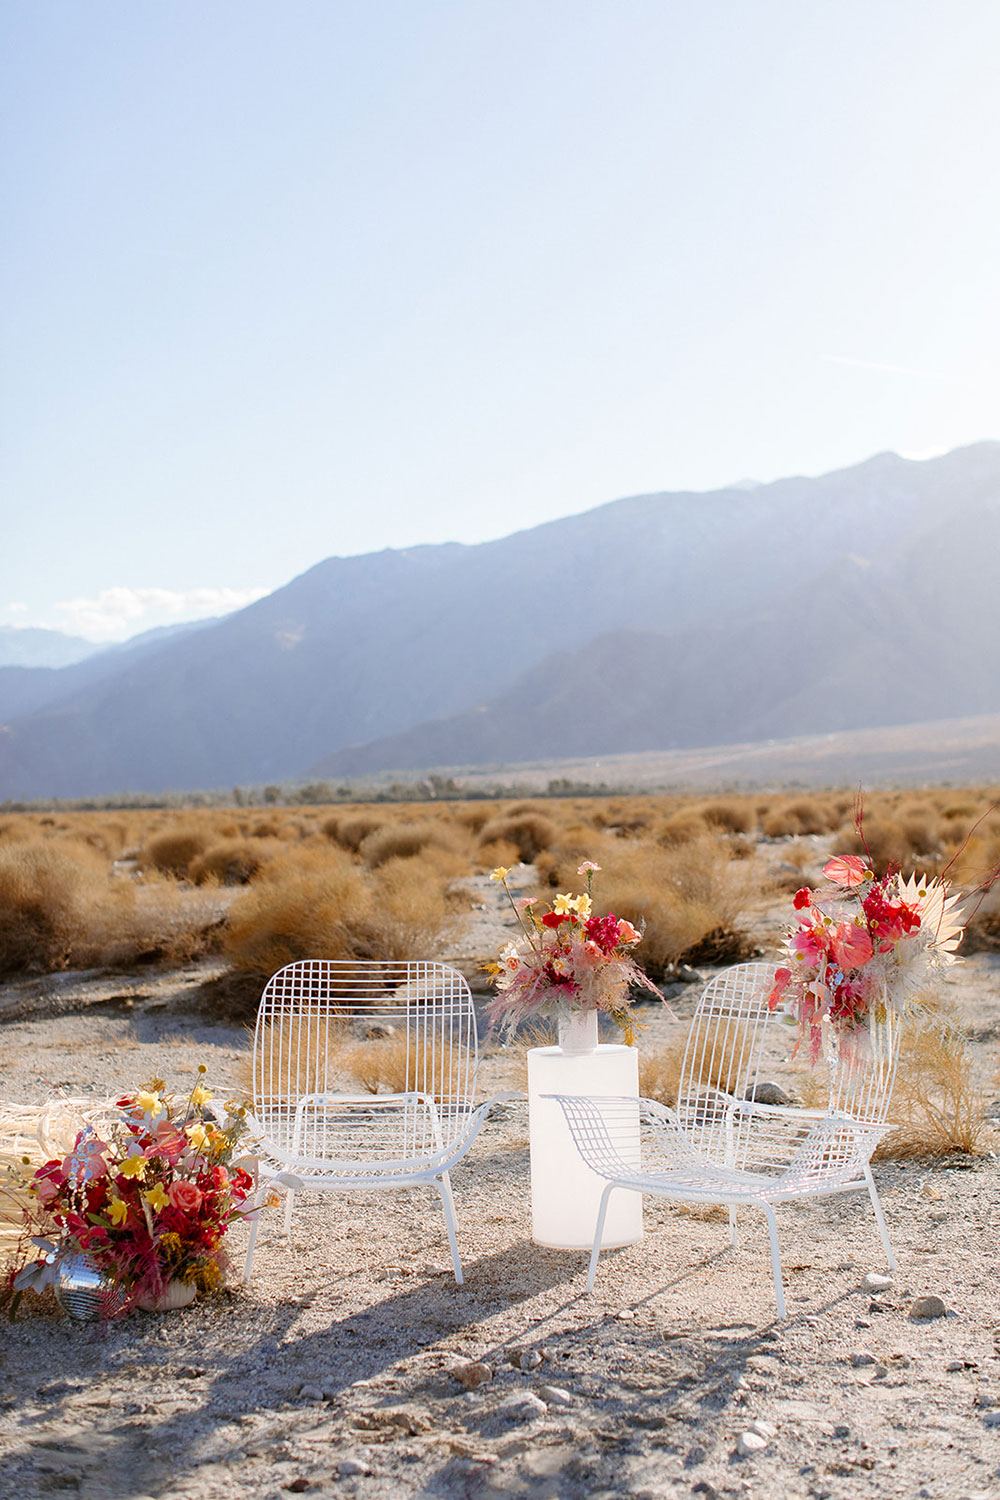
(802, 898)
(604, 932)
(556, 919)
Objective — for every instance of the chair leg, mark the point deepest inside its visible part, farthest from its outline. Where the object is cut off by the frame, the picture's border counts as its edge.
(734, 1238)
(880, 1218)
(448, 1203)
(289, 1205)
(779, 1290)
(602, 1215)
(254, 1227)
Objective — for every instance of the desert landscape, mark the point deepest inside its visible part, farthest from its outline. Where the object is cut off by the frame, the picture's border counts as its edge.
(135, 944)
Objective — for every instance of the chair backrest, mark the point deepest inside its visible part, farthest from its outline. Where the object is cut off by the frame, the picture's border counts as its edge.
(734, 1042)
(364, 1029)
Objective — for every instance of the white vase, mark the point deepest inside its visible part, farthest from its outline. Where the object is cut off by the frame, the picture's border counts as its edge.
(577, 1031)
(176, 1294)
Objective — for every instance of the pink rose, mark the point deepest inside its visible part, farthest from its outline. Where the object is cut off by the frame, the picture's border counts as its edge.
(185, 1196)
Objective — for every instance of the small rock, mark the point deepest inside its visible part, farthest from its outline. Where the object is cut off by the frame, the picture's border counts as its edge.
(473, 1375)
(873, 1282)
(992, 1419)
(529, 1359)
(525, 1406)
(861, 1357)
(861, 1323)
(626, 1315)
(764, 1429)
(706, 1488)
(750, 1442)
(555, 1395)
(297, 1486)
(928, 1190)
(349, 1468)
(311, 1393)
(928, 1307)
(768, 1093)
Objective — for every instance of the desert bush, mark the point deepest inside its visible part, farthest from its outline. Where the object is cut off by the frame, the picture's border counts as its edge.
(474, 815)
(731, 817)
(318, 904)
(936, 1107)
(232, 862)
(41, 895)
(798, 816)
(403, 840)
(681, 828)
(173, 851)
(529, 832)
(352, 829)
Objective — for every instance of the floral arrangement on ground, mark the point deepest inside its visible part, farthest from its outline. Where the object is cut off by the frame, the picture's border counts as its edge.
(566, 959)
(147, 1202)
(863, 949)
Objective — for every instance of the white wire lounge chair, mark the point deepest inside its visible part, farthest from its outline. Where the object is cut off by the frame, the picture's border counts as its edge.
(364, 1076)
(724, 1144)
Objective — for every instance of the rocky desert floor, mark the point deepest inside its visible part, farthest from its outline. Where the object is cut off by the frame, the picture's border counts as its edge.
(354, 1366)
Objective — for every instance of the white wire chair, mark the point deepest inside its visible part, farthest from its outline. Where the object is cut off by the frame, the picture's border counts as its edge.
(364, 1077)
(721, 1143)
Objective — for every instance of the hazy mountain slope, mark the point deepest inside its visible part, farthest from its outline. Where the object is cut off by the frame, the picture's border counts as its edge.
(362, 648)
(866, 644)
(31, 646)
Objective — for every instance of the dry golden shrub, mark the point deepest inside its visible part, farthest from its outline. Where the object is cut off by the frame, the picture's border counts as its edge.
(353, 828)
(730, 816)
(173, 851)
(232, 862)
(316, 903)
(936, 1107)
(660, 1073)
(474, 815)
(42, 896)
(799, 816)
(529, 832)
(681, 828)
(403, 840)
(60, 906)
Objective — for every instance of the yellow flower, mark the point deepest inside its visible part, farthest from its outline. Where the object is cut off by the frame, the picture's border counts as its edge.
(198, 1136)
(200, 1096)
(148, 1102)
(157, 1198)
(133, 1166)
(581, 906)
(117, 1211)
(499, 874)
(563, 904)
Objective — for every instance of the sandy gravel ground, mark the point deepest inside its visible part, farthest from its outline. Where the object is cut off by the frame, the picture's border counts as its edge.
(337, 1373)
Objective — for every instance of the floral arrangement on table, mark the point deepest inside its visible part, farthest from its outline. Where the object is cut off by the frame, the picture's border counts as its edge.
(866, 947)
(566, 959)
(147, 1201)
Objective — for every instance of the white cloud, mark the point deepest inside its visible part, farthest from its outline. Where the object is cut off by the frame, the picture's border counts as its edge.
(117, 613)
(15, 609)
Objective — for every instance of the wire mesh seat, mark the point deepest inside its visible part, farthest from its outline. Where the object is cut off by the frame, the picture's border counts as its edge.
(721, 1143)
(364, 1077)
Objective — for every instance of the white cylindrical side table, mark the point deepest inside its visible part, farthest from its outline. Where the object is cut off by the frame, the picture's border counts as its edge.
(565, 1192)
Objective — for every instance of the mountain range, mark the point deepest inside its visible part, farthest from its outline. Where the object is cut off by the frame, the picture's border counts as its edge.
(861, 598)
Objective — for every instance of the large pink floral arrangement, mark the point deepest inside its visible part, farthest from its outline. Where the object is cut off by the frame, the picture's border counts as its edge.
(861, 948)
(148, 1201)
(566, 959)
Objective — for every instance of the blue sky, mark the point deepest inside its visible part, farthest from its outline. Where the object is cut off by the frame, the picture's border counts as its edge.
(284, 281)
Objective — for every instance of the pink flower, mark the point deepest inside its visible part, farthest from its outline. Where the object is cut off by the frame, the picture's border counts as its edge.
(850, 946)
(185, 1196)
(588, 864)
(626, 932)
(808, 944)
(846, 869)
